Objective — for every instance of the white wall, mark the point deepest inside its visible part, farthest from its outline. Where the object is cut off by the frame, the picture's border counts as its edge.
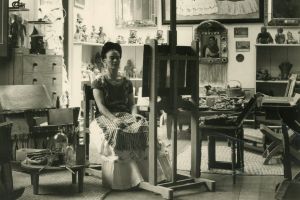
(102, 13)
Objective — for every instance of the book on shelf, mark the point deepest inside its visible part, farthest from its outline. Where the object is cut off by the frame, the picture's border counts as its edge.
(280, 101)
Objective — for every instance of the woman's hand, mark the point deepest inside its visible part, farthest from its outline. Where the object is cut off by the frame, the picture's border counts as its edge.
(119, 123)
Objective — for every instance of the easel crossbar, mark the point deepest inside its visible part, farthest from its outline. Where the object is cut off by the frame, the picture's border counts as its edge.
(177, 57)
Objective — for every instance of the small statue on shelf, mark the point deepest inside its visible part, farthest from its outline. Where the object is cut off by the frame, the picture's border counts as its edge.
(132, 37)
(18, 4)
(37, 43)
(129, 69)
(285, 68)
(93, 35)
(84, 35)
(80, 33)
(147, 40)
(290, 39)
(17, 31)
(280, 36)
(263, 75)
(101, 36)
(159, 37)
(77, 34)
(120, 39)
(264, 37)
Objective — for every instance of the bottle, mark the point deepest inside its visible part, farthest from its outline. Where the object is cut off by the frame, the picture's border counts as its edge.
(60, 145)
(57, 105)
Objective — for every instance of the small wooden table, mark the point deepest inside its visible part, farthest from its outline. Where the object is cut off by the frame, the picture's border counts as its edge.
(36, 170)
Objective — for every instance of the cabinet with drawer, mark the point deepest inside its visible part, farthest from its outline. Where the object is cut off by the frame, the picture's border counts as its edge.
(44, 70)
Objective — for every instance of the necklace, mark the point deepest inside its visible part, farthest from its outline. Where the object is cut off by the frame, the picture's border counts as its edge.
(114, 81)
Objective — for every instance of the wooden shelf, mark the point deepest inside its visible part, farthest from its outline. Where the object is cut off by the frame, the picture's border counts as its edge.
(276, 81)
(39, 22)
(18, 9)
(277, 45)
(100, 44)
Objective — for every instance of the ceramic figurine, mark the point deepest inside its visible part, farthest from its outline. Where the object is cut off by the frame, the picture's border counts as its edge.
(120, 39)
(159, 37)
(285, 69)
(132, 37)
(77, 35)
(17, 31)
(84, 35)
(280, 36)
(101, 36)
(129, 69)
(290, 39)
(37, 43)
(147, 40)
(78, 26)
(93, 35)
(18, 4)
(264, 37)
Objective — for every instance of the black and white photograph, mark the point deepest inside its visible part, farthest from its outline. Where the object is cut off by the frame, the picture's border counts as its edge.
(240, 32)
(242, 46)
(149, 99)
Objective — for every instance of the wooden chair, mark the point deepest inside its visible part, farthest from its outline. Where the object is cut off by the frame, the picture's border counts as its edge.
(7, 190)
(272, 134)
(233, 131)
(90, 110)
(56, 119)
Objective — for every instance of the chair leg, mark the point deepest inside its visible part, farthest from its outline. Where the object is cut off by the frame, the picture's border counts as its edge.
(273, 152)
(211, 151)
(233, 160)
(240, 150)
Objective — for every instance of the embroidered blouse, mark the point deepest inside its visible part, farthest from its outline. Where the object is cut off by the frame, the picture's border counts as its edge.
(115, 94)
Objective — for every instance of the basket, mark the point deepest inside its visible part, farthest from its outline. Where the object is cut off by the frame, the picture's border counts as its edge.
(234, 91)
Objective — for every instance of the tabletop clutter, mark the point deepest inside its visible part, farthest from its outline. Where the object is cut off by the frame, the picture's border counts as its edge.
(59, 152)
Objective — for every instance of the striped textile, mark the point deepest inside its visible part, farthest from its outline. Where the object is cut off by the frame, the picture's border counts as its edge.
(133, 137)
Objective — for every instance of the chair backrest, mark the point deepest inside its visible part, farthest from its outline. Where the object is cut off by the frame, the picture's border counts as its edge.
(290, 85)
(89, 103)
(246, 111)
(63, 116)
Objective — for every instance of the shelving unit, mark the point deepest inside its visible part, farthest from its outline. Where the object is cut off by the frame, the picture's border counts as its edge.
(269, 57)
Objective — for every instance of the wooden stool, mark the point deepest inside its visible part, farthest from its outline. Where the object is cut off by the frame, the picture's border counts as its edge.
(36, 170)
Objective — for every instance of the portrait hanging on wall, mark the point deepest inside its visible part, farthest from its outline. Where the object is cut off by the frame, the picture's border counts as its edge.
(224, 11)
(212, 37)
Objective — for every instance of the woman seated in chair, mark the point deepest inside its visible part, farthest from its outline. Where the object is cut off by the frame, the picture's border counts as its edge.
(120, 134)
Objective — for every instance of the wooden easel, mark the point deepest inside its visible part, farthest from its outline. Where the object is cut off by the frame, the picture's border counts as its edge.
(177, 181)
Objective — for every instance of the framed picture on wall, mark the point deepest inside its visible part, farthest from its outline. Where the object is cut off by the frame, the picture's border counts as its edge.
(79, 3)
(242, 46)
(241, 32)
(195, 11)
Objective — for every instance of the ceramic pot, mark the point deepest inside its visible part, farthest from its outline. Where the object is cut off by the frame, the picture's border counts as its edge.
(285, 69)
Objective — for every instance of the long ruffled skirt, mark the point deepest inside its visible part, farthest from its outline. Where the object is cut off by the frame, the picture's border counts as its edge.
(124, 153)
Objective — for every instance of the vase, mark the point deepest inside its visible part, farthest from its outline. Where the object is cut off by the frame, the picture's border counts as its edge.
(285, 69)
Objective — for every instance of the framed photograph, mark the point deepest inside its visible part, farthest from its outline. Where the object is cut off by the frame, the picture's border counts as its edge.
(79, 3)
(241, 32)
(242, 46)
(224, 11)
